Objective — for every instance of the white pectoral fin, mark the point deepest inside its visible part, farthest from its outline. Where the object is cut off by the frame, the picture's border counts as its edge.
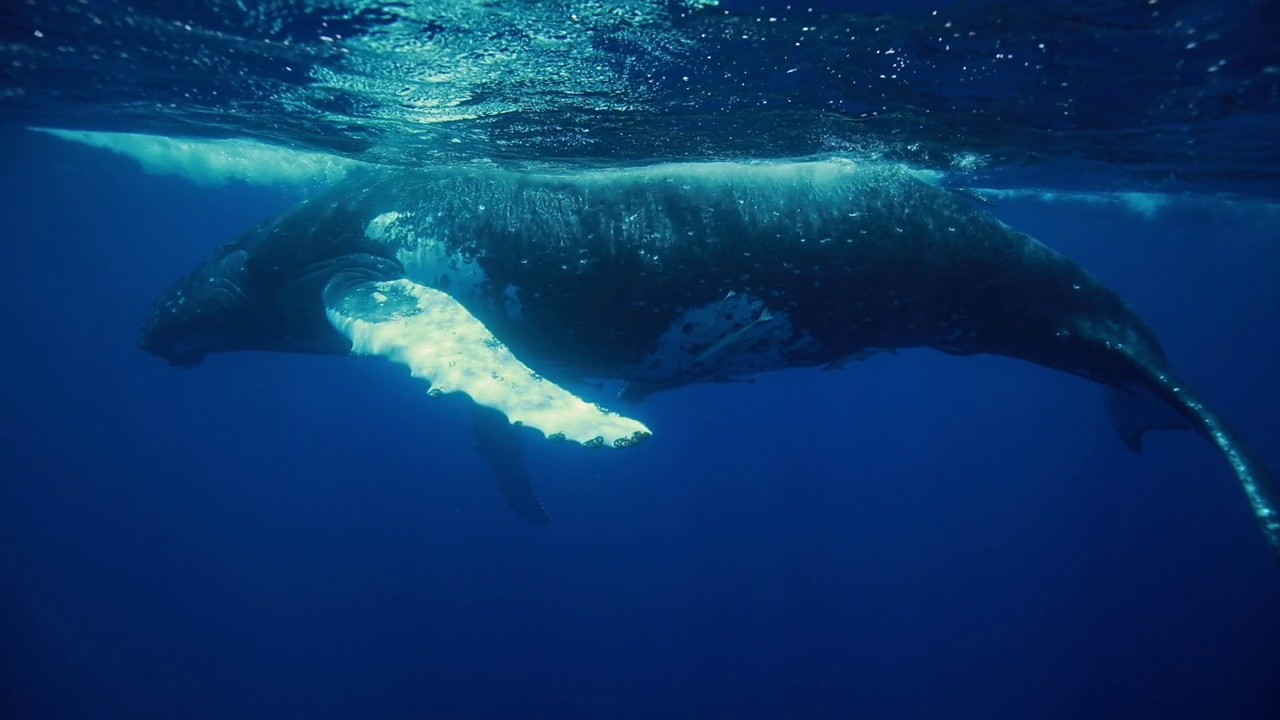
(441, 342)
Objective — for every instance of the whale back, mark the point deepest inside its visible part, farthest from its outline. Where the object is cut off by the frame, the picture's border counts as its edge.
(606, 272)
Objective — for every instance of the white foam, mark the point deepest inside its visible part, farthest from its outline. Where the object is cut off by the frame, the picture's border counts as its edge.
(816, 169)
(1147, 205)
(438, 340)
(217, 162)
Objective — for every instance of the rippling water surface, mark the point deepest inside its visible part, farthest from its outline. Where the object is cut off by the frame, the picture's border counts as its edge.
(1167, 95)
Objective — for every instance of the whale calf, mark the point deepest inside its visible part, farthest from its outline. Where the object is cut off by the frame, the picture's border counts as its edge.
(516, 287)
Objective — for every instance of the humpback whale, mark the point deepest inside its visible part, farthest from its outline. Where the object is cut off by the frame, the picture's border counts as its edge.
(516, 287)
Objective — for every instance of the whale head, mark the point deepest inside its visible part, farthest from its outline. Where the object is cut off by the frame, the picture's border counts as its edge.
(205, 312)
(236, 301)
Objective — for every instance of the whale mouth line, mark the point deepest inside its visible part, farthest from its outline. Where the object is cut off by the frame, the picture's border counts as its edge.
(183, 349)
(196, 316)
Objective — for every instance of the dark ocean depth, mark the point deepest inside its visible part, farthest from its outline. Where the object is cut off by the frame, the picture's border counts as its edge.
(277, 536)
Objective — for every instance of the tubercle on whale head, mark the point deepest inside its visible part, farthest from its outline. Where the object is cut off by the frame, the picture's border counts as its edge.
(232, 302)
(199, 314)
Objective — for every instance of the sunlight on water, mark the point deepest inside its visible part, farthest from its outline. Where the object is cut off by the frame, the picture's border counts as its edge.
(584, 83)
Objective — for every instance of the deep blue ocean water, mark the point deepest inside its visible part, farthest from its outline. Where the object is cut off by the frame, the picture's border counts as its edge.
(284, 536)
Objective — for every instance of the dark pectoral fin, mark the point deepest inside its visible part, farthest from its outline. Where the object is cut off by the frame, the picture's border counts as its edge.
(500, 444)
(1134, 410)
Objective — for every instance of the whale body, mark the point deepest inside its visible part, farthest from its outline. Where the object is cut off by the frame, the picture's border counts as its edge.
(513, 286)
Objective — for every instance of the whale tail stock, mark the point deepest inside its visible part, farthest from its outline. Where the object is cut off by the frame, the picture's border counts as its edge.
(1255, 479)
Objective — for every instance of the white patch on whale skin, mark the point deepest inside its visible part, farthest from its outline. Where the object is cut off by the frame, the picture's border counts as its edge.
(438, 340)
(426, 261)
(377, 227)
(734, 337)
